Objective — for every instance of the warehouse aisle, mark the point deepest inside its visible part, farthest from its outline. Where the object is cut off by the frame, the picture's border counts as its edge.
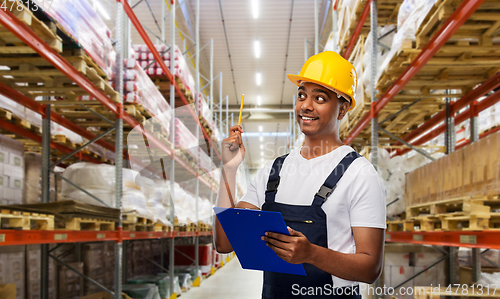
(228, 283)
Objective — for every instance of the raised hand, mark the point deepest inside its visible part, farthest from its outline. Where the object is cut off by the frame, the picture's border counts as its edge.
(233, 150)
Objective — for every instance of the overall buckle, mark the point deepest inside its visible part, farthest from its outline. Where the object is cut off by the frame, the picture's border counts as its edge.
(273, 186)
(324, 192)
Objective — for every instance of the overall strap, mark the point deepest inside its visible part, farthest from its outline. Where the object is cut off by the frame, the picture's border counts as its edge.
(331, 181)
(274, 179)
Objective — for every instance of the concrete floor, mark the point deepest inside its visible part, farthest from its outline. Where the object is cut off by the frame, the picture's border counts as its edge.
(229, 282)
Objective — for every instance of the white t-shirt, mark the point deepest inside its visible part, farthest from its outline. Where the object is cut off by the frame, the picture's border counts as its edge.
(357, 201)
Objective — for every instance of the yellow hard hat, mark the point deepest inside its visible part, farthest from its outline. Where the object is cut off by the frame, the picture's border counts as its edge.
(330, 70)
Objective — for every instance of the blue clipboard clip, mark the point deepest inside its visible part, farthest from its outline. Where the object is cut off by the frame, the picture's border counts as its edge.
(244, 229)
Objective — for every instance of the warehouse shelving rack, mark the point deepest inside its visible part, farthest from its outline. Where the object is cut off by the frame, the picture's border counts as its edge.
(9, 21)
(429, 130)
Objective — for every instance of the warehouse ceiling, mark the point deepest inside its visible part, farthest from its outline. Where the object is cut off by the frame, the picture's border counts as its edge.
(280, 26)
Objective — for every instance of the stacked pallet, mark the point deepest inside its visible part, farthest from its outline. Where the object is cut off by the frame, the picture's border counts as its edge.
(462, 187)
(349, 13)
(468, 58)
(133, 222)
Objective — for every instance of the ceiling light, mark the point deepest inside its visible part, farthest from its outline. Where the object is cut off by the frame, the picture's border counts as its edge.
(259, 100)
(255, 8)
(260, 128)
(101, 10)
(261, 146)
(261, 138)
(262, 153)
(256, 48)
(258, 78)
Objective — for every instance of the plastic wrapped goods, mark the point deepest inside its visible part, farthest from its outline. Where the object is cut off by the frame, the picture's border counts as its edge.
(185, 207)
(157, 194)
(185, 281)
(141, 291)
(184, 138)
(161, 282)
(83, 23)
(177, 287)
(381, 57)
(146, 58)
(488, 279)
(138, 88)
(392, 172)
(411, 15)
(205, 111)
(99, 180)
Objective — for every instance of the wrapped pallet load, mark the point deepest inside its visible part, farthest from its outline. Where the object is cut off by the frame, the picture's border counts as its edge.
(157, 197)
(83, 23)
(141, 291)
(139, 89)
(161, 282)
(393, 171)
(99, 180)
(387, 33)
(185, 207)
(411, 15)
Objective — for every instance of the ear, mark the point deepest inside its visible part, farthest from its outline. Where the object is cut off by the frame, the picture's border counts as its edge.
(344, 108)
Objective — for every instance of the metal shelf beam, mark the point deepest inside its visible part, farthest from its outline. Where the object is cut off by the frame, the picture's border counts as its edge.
(28, 237)
(471, 239)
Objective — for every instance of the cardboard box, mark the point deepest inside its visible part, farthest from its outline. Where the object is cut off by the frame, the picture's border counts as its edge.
(4, 157)
(70, 284)
(11, 145)
(15, 182)
(32, 189)
(473, 170)
(33, 260)
(109, 264)
(13, 268)
(137, 260)
(8, 291)
(93, 259)
(16, 160)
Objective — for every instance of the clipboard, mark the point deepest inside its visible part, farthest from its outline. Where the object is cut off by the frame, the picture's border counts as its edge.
(244, 229)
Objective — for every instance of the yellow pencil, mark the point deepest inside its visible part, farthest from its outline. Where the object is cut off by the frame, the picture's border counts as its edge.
(241, 108)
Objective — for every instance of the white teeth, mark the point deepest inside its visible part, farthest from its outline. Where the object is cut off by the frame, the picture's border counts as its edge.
(307, 118)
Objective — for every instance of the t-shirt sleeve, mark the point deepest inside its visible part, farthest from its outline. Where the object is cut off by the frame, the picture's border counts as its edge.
(368, 199)
(255, 194)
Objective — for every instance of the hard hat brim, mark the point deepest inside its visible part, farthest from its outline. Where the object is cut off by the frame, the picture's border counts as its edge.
(296, 79)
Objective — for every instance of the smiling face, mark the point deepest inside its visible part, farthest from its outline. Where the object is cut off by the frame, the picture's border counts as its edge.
(319, 110)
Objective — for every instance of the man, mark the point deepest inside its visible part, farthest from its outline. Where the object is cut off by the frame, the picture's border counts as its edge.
(332, 199)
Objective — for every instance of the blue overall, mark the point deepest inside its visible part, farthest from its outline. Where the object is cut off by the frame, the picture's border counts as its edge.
(311, 221)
